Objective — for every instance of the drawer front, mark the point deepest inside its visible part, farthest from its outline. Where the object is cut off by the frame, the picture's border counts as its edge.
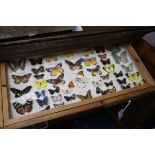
(1, 115)
(88, 79)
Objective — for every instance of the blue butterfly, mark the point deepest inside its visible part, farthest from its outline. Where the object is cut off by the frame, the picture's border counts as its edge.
(38, 94)
(42, 102)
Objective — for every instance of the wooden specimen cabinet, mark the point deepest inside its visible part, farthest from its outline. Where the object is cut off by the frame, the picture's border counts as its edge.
(17, 43)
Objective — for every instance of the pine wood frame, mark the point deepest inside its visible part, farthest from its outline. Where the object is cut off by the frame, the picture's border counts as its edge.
(96, 102)
(1, 115)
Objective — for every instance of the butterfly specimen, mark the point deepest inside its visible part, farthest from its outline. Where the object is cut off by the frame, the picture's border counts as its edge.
(19, 93)
(69, 55)
(57, 82)
(38, 70)
(96, 71)
(15, 65)
(139, 83)
(100, 91)
(40, 84)
(108, 83)
(57, 98)
(70, 98)
(90, 61)
(112, 90)
(129, 68)
(71, 84)
(120, 74)
(134, 76)
(88, 95)
(123, 81)
(88, 52)
(56, 70)
(122, 58)
(74, 66)
(105, 62)
(114, 49)
(100, 49)
(42, 102)
(80, 73)
(58, 105)
(38, 77)
(109, 69)
(39, 94)
(104, 56)
(57, 90)
(98, 83)
(51, 58)
(126, 87)
(81, 82)
(21, 79)
(23, 108)
(66, 91)
(36, 61)
(105, 77)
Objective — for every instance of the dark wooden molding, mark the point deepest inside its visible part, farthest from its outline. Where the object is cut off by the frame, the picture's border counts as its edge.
(54, 44)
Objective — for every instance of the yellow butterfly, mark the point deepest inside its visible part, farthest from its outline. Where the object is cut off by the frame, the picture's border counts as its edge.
(69, 55)
(109, 69)
(139, 83)
(55, 70)
(90, 61)
(51, 58)
(112, 90)
(40, 84)
(132, 77)
(88, 52)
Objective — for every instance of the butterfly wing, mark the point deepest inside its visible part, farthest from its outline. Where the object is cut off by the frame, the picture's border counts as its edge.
(88, 95)
(25, 78)
(51, 91)
(45, 100)
(19, 108)
(41, 76)
(106, 77)
(28, 105)
(78, 63)
(38, 94)
(43, 84)
(26, 90)
(17, 92)
(71, 65)
(124, 57)
(40, 102)
(136, 76)
(37, 84)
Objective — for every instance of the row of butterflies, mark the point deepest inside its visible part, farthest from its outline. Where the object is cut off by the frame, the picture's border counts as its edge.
(20, 64)
(43, 100)
(59, 70)
(60, 81)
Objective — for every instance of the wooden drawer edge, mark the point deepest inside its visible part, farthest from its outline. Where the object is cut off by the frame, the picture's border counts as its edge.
(103, 104)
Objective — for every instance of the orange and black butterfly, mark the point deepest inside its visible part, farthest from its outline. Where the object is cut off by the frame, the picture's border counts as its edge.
(58, 81)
